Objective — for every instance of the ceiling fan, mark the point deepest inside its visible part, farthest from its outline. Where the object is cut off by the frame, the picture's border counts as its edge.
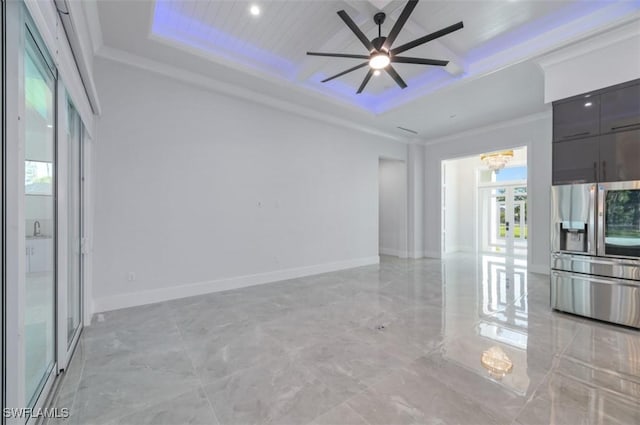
(381, 55)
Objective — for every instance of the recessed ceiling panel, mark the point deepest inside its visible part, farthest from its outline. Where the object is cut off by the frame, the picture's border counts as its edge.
(274, 39)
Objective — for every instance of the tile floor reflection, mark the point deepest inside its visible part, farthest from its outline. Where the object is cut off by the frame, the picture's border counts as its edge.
(398, 343)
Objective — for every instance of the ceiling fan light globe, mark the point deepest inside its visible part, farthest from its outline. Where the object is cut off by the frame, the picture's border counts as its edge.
(379, 61)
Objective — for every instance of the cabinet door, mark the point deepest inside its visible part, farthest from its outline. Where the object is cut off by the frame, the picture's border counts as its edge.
(620, 109)
(575, 161)
(620, 156)
(41, 258)
(576, 119)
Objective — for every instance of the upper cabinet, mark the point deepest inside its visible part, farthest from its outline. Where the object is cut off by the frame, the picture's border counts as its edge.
(576, 118)
(620, 109)
(597, 136)
(575, 161)
(620, 156)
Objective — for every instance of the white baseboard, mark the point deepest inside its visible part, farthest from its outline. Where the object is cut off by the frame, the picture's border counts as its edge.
(394, 252)
(539, 268)
(432, 254)
(424, 254)
(132, 299)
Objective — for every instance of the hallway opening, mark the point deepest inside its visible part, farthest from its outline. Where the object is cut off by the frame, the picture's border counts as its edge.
(484, 203)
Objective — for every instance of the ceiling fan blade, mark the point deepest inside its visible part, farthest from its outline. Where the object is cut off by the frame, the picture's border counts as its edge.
(402, 19)
(366, 81)
(338, 55)
(357, 31)
(396, 77)
(419, 61)
(362, 65)
(426, 38)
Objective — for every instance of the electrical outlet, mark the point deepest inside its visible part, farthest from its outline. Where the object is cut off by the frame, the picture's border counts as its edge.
(131, 276)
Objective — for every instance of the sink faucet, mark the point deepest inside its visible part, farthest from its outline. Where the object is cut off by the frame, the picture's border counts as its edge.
(36, 228)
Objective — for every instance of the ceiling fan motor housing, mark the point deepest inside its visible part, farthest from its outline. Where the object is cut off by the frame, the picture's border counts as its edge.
(378, 43)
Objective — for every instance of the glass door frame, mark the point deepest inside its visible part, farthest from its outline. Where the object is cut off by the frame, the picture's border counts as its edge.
(3, 80)
(484, 235)
(603, 189)
(66, 345)
(18, 27)
(32, 37)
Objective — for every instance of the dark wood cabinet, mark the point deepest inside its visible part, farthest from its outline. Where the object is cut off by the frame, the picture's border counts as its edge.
(619, 155)
(596, 136)
(576, 161)
(620, 109)
(577, 118)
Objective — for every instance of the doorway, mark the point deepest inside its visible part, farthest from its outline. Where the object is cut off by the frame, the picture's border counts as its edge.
(484, 206)
(503, 209)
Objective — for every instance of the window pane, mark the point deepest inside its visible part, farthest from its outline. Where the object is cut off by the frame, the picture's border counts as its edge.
(39, 122)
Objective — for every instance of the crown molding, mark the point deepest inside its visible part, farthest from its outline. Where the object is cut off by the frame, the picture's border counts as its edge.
(559, 38)
(491, 127)
(594, 41)
(191, 78)
(530, 50)
(272, 80)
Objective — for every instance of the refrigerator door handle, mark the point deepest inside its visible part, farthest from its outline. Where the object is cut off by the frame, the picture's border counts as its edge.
(592, 228)
(600, 213)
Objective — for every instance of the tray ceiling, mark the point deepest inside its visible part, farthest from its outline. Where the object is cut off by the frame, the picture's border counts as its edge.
(271, 47)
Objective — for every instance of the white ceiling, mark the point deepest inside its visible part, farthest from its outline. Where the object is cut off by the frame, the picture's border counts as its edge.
(267, 54)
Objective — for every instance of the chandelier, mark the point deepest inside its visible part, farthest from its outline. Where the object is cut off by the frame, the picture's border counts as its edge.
(496, 361)
(497, 160)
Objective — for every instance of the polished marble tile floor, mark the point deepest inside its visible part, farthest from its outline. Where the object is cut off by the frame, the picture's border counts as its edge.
(405, 342)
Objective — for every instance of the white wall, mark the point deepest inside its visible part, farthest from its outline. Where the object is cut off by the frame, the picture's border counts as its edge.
(460, 204)
(393, 208)
(200, 192)
(449, 215)
(533, 132)
(415, 200)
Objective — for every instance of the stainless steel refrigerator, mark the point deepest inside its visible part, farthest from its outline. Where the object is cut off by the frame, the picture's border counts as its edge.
(595, 243)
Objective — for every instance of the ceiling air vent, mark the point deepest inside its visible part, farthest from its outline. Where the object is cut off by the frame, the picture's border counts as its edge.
(408, 130)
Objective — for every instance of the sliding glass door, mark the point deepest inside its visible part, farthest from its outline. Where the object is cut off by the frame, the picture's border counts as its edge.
(2, 201)
(39, 217)
(41, 205)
